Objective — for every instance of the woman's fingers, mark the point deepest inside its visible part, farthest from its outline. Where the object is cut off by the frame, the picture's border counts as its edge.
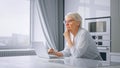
(50, 51)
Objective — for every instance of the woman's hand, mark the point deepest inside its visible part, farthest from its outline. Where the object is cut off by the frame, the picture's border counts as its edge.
(67, 37)
(51, 51)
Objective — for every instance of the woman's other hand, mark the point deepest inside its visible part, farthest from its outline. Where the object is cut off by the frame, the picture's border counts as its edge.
(51, 51)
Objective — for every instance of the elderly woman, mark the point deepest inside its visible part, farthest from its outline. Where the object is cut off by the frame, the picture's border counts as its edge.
(79, 43)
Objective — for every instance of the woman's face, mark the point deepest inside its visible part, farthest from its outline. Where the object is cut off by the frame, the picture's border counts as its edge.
(71, 24)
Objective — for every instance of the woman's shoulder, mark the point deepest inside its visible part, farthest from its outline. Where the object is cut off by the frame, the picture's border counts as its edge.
(83, 30)
(83, 33)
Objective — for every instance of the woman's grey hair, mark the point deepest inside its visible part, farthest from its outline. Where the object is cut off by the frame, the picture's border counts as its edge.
(76, 16)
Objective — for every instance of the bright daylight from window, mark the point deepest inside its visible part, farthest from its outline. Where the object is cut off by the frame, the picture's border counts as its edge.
(14, 24)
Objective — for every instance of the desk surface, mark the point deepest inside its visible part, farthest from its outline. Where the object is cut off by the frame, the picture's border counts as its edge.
(36, 62)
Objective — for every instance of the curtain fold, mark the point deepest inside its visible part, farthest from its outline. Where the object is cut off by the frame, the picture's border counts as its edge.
(45, 22)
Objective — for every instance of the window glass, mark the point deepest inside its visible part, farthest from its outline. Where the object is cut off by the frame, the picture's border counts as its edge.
(14, 24)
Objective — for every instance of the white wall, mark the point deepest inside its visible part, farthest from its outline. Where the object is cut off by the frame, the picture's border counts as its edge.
(88, 8)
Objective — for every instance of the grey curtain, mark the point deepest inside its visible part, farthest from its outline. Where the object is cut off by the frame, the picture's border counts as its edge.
(44, 22)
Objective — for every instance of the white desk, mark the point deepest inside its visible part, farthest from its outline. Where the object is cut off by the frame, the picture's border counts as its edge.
(36, 62)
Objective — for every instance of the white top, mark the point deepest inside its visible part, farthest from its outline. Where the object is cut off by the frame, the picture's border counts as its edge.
(83, 47)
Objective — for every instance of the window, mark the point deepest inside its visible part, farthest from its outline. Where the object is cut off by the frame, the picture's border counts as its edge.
(14, 24)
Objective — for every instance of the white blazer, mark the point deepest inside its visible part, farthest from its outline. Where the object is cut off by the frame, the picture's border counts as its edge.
(83, 46)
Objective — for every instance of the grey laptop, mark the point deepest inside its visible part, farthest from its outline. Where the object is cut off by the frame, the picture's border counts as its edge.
(41, 50)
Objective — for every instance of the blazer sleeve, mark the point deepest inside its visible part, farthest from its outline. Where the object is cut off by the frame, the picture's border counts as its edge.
(66, 51)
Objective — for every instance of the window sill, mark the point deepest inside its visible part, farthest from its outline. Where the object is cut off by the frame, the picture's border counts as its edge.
(17, 52)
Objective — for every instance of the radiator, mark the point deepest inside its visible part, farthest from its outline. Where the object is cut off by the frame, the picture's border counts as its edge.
(17, 52)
